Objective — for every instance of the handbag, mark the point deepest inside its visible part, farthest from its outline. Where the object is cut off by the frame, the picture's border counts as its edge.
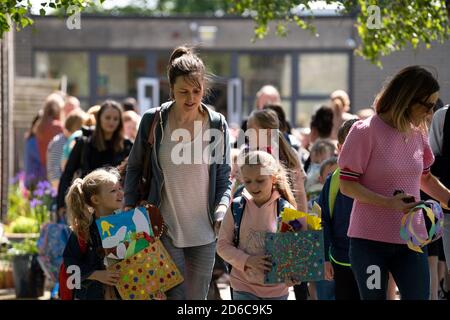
(147, 274)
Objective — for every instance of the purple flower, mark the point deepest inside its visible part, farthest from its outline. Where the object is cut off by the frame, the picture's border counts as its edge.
(35, 202)
(39, 193)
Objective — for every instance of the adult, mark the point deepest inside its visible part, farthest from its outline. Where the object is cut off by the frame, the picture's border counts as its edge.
(55, 149)
(192, 194)
(49, 126)
(382, 154)
(130, 104)
(268, 94)
(106, 146)
(440, 144)
(340, 102)
(321, 128)
(72, 103)
(33, 166)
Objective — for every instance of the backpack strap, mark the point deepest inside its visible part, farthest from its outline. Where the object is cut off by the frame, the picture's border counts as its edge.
(237, 209)
(281, 205)
(334, 188)
(446, 137)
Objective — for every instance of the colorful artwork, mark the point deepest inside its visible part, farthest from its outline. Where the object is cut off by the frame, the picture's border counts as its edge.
(126, 233)
(148, 274)
(295, 256)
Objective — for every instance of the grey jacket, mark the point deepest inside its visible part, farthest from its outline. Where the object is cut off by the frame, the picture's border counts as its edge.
(219, 170)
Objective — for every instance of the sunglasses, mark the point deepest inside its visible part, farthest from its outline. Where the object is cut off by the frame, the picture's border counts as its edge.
(429, 105)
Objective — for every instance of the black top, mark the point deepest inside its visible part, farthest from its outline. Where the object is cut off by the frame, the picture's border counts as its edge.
(84, 158)
(88, 261)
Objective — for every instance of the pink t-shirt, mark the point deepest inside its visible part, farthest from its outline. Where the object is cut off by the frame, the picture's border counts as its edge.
(383, 160)
(256, 221)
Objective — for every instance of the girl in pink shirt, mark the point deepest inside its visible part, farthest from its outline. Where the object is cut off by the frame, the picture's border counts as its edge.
(265, 181)
(384, 153)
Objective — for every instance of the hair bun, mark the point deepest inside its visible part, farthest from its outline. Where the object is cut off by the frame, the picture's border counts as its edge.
(178, 52)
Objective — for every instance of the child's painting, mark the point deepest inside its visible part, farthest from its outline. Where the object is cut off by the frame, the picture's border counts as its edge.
(126, 233)
(148, 274)
(295, 256)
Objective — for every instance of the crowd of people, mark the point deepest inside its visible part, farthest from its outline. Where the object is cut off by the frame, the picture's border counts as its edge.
(349, 164)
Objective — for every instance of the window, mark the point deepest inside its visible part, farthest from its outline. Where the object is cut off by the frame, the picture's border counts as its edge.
(257, 70)
(74, 65)
(322, 73)
(118, 74)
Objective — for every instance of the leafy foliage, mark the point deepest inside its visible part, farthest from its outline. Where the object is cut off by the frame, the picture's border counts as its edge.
(18, 11)
(403, 22)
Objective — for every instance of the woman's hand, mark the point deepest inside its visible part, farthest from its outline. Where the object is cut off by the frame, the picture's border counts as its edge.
(400, 202)
(329, 271)
(259, 263)
(292, 282)
(108, 277)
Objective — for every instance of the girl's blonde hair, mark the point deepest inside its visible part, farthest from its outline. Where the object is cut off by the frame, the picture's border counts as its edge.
(268, 119)
(271, 167)
(78, 199)
(409, 86)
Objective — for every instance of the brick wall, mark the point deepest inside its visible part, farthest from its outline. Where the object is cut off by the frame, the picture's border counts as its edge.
(368, 79)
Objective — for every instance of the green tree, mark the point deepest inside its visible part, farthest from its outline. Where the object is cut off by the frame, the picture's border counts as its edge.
(402, 22)
(18, 12)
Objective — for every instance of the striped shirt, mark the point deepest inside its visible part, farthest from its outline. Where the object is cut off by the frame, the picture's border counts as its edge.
(184, 199)
(54, 155)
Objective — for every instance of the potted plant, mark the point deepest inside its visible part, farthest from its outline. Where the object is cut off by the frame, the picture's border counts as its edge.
(28, 211)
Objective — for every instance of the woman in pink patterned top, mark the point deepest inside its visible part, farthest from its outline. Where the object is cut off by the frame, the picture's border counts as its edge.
(384, 153)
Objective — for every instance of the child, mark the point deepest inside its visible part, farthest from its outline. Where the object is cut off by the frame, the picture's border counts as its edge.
(326, 167)
(320, 151)
(265, 182)
(336, 219)
(99, 194)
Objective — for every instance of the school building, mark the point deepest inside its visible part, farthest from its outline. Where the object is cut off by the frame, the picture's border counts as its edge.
(117, 57)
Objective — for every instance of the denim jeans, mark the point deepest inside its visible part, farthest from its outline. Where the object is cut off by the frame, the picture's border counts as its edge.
(372, 260)
(196, 265)
(325, 290)
(241, 295)
(446, 239)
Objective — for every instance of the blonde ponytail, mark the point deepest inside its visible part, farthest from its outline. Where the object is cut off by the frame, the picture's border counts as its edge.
(78, 213)
(78, 199)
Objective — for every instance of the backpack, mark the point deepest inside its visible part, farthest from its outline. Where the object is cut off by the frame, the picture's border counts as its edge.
(64, 292)
(334, 188)
(237, 209)
(51, 243)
